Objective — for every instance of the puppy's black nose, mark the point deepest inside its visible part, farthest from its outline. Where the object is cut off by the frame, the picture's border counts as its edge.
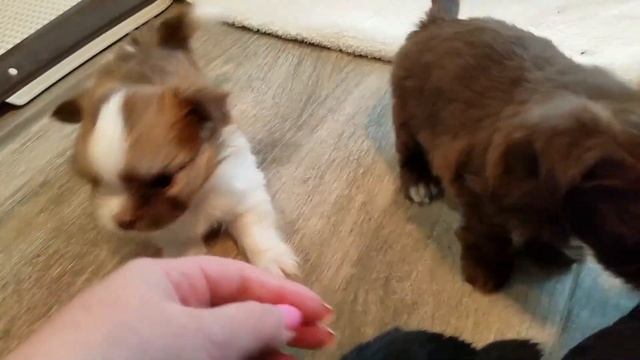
(127, 224)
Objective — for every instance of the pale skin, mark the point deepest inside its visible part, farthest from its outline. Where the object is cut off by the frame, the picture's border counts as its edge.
(187, 308)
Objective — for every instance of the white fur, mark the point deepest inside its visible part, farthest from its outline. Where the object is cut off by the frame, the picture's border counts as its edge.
(107, 147)
(235, 195)
(106, 152)
(377, 28)
(107, 203)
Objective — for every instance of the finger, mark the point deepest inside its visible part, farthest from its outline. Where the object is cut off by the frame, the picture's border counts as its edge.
(248, 328)
(313, 337)
(209, 281)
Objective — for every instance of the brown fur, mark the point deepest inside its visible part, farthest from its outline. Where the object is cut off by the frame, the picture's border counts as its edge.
(172, 118)
(524, 141)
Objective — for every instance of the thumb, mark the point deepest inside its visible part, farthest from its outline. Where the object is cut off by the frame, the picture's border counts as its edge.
(245, 329)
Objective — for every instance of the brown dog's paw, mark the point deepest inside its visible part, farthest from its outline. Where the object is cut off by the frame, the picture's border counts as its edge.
(421, 189)
(487, 278)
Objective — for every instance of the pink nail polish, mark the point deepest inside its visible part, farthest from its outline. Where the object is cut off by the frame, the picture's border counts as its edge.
(292, 316)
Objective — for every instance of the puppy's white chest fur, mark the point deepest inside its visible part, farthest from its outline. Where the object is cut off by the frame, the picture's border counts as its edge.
(234, 186)
(236, 196)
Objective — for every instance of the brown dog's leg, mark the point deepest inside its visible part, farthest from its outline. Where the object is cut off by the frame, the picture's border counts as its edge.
(419, 184)
(487, 255)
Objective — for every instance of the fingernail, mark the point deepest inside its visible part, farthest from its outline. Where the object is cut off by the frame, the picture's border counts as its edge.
(330, 316)
(332, 342)
(292, 316)
(328, 308)
(330, 330)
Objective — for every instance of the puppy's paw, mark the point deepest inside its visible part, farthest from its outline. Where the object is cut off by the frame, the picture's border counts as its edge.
(420, 186)
(418, 193)
(485, 282)
(423, 193)
(278, 259)
(487, 278)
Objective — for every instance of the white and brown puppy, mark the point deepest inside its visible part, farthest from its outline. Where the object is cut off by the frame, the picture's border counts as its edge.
(164, 159)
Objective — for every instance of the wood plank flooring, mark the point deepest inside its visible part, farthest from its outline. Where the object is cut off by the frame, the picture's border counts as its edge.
(320, 124)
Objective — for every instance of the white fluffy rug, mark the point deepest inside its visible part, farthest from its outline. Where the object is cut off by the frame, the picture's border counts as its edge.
(591, 31)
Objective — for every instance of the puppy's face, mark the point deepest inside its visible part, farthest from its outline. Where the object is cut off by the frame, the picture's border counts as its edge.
(146, 151)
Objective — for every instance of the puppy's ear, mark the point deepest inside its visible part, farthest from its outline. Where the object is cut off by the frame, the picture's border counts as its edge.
(512, 169)
(207, 107)
(513, 166)
(69, 111)
(176, 31)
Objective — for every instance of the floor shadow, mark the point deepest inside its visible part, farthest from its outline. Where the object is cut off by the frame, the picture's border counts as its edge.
(6, 108)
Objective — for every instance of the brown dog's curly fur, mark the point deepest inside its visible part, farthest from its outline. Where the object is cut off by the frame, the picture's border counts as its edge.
(531, 146)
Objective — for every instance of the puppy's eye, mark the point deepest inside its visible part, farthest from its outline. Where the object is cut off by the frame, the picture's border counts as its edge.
(161, 181)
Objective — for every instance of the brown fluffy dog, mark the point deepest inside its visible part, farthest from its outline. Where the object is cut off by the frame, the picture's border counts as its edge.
(532, 147)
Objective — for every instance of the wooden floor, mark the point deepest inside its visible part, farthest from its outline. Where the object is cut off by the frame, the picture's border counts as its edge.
(320, 124)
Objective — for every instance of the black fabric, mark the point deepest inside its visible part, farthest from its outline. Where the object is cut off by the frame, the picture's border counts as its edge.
(398, 344)
(620, 341)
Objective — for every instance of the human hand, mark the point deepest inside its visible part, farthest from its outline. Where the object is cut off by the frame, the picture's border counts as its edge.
(185, 308)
